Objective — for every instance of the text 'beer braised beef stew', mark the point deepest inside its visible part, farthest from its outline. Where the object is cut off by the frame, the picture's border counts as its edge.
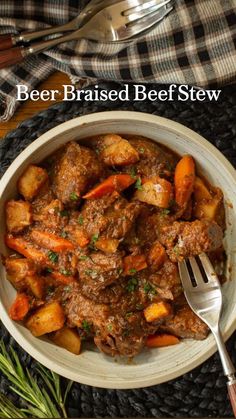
(98, 230)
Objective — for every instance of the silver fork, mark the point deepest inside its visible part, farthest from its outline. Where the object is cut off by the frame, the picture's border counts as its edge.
(203, 293)
(117, 22)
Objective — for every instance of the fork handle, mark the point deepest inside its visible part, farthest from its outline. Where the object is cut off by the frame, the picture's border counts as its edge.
(11, 56)
(228, 367)
(232, 395)
(6, 41)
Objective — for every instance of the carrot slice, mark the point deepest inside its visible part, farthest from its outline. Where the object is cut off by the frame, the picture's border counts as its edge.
(51, 241)
(158, 341)
(157, 311)
(184, 180)
(112, 183)
(20, 307)
(134, 263)
(25, 248)
(63, 279)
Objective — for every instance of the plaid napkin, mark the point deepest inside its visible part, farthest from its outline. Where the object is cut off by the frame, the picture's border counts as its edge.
(194, 45)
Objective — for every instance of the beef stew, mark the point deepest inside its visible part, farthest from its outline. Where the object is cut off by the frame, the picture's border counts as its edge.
(97, 232)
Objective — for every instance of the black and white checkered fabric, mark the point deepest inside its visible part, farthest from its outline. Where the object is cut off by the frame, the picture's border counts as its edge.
(195, 44)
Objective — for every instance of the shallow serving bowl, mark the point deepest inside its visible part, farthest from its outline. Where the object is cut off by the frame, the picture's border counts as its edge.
(152, 366)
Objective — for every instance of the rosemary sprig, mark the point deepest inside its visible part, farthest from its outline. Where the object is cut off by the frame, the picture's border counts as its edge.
(9, 410)
(42, 401)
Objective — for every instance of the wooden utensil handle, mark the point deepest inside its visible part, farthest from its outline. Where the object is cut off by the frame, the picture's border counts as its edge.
(232, 395)
(6, 42)
(11, 56)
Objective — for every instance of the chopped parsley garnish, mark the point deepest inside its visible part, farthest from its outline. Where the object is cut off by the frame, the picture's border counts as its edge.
(133, 172)
(132, 271)
(64, 213)
(176, 250)
(165, 211)
(93, 241)
(83, 257)
(48, 270)
(86, 326)
(141, 150)
(91, 272)
(64, 234)
(109, 327)
(120, 270)
(138, 184)
(67, 288)
(132, 284)
(149, 289)
(65, 272)
(81, 220)
(53, 256)
(129, 314)
(74, 196)
(139, 307)
(50, 290)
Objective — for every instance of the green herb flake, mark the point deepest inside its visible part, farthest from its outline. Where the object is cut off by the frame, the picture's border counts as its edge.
(81, 220)
(133, 172)
(65, 272)
(139, 307)
(132, 271)
(120, 271)
(83, 257)
(176, 250)
(129, 314)
(53, 256)
(141, 150)
(64, 213)
(138, 184)
(92, 273)
(67, 288)
(93, 241)
(86, 326)
(50, 290)
(149, 289)
(165, 211)
(74, 196)
(48, 270)
(132, 284)
(64, 234)
(110, 327)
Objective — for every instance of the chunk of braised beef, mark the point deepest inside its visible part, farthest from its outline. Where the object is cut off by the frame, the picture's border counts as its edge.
(99, 270)
(153, 160)
(186, 324)
(75, 171)
(184, 239)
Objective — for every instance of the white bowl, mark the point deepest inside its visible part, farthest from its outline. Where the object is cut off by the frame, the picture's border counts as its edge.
(152, 366)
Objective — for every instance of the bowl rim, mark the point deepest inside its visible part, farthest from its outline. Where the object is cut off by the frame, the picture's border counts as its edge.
(49, 136)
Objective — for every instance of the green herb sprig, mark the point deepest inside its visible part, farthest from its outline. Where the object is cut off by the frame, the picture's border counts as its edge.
(43, 401)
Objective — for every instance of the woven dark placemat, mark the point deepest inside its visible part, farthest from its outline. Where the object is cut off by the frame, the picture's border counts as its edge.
(202, 392)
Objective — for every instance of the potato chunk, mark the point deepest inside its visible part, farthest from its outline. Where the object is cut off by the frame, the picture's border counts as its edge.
(116, 151)
(155, 191)
(18, 269)
(47, 319)
(68, 339)
(18, 215)
(36, 285)
(31, 181)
